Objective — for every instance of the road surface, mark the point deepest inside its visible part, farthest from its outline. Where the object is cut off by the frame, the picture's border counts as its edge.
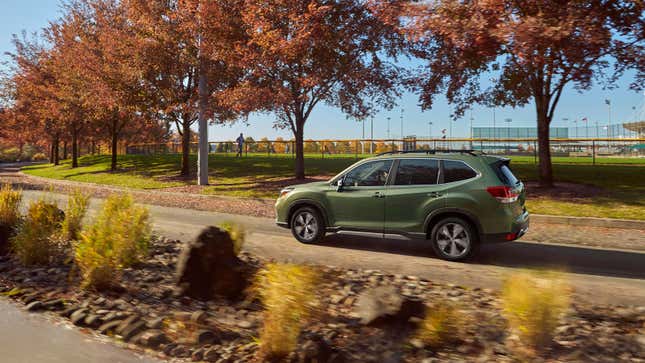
(29, 338)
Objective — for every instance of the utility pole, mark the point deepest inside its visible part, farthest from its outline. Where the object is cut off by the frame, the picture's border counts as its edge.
(508, 145)
(402, 124)
(202, 153)
(471, 129)
(429, 129)
(388, 127)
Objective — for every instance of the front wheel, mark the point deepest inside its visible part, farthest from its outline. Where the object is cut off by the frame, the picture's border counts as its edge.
(307, 226)
(453, 239)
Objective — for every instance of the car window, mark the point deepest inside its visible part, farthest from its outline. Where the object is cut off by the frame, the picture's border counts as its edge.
(370, 174)
(456, 170)
(507, 175)
(417, 172)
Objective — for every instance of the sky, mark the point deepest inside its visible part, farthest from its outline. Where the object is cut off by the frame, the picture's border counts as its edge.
(330, 123)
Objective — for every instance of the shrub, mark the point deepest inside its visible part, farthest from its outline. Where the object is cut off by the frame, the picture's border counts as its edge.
(533, 303)
(35, 242)
(74, 213)
(9, 205)
(119, 238)
(288, 294)
(9, 155)
(441, 326)
(237, 233)
(39, 157)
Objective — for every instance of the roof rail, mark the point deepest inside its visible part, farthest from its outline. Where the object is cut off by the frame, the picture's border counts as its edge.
(434, 151)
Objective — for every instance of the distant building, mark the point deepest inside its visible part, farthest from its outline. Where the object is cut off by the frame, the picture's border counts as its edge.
(636, 127)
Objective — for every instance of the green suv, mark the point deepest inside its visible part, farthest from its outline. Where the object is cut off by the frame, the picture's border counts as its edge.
(453, 199)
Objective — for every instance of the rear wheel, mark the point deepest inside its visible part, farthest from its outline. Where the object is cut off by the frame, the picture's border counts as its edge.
(453, 239)
(307, 226)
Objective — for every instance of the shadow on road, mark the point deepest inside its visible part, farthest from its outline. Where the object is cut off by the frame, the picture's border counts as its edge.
(517, 255)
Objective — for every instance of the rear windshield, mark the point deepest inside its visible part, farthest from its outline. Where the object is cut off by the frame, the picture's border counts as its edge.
(506, 175)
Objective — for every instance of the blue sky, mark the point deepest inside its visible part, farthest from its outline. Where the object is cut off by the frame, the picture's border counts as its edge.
(329, 123)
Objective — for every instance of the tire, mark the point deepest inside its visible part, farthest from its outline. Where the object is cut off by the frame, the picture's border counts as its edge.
(307, 226)
(453, 239)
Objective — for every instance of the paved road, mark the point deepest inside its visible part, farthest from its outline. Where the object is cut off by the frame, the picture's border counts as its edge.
(599, 275)
(26, 338)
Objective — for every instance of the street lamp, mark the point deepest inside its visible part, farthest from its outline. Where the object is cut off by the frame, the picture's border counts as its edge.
(372, 135)
(508, 129)
(608, 103)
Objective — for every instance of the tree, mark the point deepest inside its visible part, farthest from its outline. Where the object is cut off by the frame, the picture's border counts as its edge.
(533, 48)
(302, 53)
(168, 38)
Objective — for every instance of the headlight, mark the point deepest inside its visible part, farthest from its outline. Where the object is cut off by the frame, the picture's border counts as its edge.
(284, 192)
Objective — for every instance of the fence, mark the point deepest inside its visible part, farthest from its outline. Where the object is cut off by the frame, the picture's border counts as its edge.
(571, 148)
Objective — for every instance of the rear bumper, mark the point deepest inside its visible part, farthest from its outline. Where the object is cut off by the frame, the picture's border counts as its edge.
(518, 229)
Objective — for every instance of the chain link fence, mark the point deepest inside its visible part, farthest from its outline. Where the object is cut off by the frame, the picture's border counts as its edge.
(585, 149)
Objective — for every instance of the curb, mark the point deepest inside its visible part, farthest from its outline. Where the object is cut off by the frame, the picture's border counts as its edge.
(589, 221)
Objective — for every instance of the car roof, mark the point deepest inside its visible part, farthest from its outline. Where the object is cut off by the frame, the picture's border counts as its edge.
(431, 154)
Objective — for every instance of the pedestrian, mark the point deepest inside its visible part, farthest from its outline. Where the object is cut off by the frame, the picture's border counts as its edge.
(240, 145)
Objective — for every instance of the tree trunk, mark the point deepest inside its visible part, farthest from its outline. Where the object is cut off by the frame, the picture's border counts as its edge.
(114, 151)
(74, 148)
(544, 149)
(185, 148)
(65, 150)
(52, 149)
(57, 151)
(300, 154)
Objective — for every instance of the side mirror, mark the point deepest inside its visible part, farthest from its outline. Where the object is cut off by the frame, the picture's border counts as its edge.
(339, 185)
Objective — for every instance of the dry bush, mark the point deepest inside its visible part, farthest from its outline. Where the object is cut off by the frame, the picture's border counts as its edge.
(39, 157)
(237, 233)
(288, 293)
(533, 304)
(443, 325)
(74, 213)
(119, 238)
(9, 205)
(35, 242)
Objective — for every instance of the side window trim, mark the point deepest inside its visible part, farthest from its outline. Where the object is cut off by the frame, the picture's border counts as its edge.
(395, 172)
(442, 172)
(389, 177)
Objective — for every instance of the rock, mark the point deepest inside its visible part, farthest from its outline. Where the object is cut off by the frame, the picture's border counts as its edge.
(93, 321)
(208, 267)
(198, 317)
(6, 233)
(315, 350)
(180, 352)
(35, 306)
(211, 355)
(68, 311)
(206, 337)
(126, 323)
(155, 323)
(152, 338)
(109, 327)
(78, 317)
(132, 329)
(54, 304)
(198, 355)
(384, 305)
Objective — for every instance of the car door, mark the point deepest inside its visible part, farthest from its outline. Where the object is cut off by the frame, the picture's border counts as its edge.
(412, 195)
(360, 203)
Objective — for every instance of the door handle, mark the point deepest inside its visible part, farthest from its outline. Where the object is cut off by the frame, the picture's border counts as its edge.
(434, 194)
(379, 195)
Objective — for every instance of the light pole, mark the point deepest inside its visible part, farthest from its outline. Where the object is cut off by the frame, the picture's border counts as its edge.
(471, 129)
(429, 129)
(402, 137)
(508, 121)
(372, 135)
(388, 127)
(608, 103)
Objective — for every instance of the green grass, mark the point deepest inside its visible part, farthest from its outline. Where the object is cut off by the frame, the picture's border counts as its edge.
(622, 193)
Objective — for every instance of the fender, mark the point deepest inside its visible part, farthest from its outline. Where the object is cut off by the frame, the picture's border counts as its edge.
(451, 210)
(300, 202)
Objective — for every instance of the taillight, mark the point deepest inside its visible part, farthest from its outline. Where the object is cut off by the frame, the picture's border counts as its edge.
(504, 194)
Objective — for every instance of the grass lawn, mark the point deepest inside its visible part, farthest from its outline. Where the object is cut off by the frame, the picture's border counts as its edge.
(617, 188)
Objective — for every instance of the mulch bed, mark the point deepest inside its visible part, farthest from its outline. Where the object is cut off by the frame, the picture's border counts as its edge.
(147, 313)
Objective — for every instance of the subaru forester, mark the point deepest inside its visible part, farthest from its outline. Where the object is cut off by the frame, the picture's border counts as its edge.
(455, 200)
